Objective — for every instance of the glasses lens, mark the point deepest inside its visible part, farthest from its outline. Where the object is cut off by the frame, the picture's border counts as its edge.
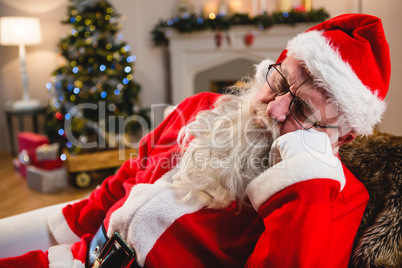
(302, 113)
(278, 83)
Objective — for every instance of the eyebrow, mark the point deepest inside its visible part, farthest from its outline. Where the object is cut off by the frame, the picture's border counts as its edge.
(305, 99)
(286, 73)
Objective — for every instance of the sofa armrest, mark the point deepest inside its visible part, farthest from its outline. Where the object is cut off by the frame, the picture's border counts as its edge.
(27, 231)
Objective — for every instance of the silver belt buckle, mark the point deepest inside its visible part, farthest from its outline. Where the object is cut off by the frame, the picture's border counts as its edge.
(118, 241)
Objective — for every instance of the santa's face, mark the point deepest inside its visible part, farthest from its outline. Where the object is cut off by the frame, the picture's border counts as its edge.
(302, 86)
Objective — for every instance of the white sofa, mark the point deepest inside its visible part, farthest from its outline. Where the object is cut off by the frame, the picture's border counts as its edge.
(27, 231)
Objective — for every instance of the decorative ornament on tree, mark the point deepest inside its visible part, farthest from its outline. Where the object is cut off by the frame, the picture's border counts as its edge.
(58, 116)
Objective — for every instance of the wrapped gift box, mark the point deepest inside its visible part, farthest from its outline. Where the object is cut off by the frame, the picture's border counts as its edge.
(27, 143)
(47, 152)
(46, 181)
(36, 150)
(49, 164)
(30, 141)
(47, 157)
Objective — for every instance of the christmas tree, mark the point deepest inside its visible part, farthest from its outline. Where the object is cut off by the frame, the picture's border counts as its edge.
(94, 92)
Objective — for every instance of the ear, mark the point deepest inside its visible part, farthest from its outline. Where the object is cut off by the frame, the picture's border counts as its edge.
(348, 137)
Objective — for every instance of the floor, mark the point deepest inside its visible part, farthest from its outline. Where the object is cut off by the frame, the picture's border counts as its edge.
(16, 197)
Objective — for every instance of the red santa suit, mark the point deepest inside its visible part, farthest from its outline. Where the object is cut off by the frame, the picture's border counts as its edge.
(301, 217)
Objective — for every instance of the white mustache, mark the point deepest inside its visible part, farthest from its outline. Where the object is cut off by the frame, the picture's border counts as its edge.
(257, 110)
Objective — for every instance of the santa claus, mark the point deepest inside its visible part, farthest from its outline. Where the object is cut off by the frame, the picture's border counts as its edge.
(245, 179)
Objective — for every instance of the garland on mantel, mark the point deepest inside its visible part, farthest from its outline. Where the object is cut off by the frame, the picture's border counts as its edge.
(193, 23)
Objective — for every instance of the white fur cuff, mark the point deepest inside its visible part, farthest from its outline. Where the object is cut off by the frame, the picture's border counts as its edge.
(61, 257)
(291, 171)
(60, 229)
(147, 213)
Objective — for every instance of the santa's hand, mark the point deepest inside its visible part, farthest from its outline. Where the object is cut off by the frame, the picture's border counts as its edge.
(301, 142)
(297, 156)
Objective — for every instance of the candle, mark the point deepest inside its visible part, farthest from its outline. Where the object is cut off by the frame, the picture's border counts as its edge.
(285, 5)
(210, 8)
(236, 6)
(223, 10)
(254, 8)
(307, 5)
(263, 6)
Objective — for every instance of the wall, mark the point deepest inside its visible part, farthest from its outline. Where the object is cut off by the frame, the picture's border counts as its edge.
(151, 66)
(388, 10)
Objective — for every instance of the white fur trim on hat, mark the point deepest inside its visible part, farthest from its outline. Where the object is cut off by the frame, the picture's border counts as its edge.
(361, 108)
(261, 70)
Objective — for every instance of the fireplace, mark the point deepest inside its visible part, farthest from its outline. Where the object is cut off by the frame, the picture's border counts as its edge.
(196, 61)
(217, 78)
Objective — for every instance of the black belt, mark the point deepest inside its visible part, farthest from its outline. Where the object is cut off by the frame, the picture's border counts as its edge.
(114, 252)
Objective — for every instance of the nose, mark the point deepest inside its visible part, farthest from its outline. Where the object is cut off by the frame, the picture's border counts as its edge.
(279, 107)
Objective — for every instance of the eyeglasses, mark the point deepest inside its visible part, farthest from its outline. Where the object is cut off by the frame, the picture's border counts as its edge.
(301, 111)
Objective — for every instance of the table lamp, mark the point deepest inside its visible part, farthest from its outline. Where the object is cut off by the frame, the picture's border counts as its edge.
(21, 31)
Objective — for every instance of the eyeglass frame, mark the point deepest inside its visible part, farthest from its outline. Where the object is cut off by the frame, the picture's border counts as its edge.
(316, 124)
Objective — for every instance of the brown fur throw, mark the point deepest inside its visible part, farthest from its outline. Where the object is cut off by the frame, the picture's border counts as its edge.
(376, 161)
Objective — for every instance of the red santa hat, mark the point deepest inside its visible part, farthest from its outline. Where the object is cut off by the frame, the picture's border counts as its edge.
(349, 57)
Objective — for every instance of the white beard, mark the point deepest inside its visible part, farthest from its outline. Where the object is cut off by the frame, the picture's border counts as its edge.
(223, 149)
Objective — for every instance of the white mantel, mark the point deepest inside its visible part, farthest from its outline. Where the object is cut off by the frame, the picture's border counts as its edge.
(191, 53)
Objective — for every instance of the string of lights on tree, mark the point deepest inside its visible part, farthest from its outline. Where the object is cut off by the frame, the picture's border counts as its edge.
(189, 23)
(98, 68)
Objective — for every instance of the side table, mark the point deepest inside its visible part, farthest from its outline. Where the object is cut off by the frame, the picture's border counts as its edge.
(11, 112)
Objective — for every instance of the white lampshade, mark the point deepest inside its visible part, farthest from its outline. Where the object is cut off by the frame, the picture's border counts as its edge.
(20, 31)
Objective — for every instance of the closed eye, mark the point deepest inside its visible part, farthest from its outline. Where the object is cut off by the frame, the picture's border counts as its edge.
(281, 86)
